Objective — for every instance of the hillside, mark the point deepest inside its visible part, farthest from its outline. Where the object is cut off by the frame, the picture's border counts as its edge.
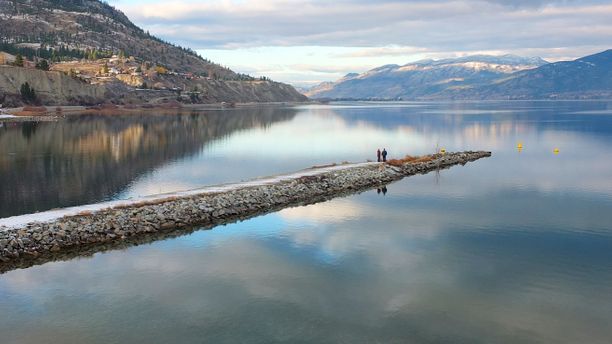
(424, 78)
(94, 43)
(584, 78)
(91, 24)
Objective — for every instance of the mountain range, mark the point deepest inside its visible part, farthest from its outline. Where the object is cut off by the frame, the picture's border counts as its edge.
(477, 77)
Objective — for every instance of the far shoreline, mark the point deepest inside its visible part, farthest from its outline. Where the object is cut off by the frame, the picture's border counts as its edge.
(53, 112)
(47, 113)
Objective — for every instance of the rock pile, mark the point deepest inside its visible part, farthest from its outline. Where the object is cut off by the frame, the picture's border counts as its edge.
(119, 224)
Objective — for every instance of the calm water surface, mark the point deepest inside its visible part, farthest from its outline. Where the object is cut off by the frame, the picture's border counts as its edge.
(516, 248)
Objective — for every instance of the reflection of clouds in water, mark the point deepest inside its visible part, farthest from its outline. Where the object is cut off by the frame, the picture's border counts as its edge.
(515, 248)
(325, 134)
(418, 281)
(336, 211)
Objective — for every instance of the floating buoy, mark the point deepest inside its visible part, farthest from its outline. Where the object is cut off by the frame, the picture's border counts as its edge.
(556, 150)
(442, 151)
(519, 145)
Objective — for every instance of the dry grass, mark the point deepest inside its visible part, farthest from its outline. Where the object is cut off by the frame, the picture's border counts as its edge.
(410, 160)
(31, 111)
(34, 108)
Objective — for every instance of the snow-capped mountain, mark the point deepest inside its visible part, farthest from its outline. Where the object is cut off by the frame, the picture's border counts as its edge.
(426, 77)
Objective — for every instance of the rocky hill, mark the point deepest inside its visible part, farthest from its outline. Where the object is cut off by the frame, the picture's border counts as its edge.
(92, 25)
(91, 31)
(424, 78)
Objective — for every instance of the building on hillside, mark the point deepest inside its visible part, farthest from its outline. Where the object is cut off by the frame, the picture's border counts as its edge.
(6, 58)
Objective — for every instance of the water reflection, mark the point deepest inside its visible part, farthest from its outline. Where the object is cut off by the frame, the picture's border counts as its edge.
(417, 267)
(514, 248)
(87, 159)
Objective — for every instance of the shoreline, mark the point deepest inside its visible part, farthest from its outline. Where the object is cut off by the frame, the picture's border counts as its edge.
(31, 239)
(49, 113)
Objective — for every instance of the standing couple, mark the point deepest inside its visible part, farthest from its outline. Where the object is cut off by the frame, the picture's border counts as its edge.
(382, 154)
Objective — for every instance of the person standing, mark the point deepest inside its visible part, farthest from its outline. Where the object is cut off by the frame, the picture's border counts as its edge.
(384, 155)
(378, 154)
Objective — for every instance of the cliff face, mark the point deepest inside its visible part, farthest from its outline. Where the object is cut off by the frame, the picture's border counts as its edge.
(56, 88)
(248, 91)
(52, 88)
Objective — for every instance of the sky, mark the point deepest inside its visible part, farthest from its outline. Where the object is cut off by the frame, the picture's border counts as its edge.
(304, 42)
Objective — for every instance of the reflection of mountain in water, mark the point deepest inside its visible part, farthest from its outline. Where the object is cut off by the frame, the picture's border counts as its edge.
(86, 159)
(484, 117)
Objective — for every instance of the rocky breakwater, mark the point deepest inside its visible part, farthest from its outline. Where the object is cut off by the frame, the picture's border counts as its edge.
(37, 237)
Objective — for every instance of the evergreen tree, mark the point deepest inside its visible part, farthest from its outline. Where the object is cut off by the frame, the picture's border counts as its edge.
(42, 65)
(28, 94)
(19, 60)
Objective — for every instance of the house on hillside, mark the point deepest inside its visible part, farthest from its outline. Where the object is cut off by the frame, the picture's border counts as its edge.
(6, 58)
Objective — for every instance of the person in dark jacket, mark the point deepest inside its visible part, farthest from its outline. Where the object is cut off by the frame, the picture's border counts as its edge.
(384, 154)
(378, 154)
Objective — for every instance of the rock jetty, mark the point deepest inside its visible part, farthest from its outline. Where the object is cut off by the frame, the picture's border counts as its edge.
(32, 239)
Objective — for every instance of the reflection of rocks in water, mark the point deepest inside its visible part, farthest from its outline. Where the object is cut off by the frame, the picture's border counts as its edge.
(85, 159)
(89, 249)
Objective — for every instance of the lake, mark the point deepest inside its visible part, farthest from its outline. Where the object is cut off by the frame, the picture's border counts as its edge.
(516, 248)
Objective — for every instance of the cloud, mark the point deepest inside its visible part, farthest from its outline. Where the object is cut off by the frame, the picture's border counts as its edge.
(410, 25)
(385, 51)
(396, 31)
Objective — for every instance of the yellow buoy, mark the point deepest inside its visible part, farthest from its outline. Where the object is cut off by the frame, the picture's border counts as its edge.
(519, 145)
(442, 151)
(556, 150)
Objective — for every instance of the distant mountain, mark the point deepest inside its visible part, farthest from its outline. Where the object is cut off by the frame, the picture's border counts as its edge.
(327, 86)
(586, 77)
(424, 78)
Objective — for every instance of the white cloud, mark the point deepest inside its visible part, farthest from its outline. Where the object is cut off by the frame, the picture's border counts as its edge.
(400, 31)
